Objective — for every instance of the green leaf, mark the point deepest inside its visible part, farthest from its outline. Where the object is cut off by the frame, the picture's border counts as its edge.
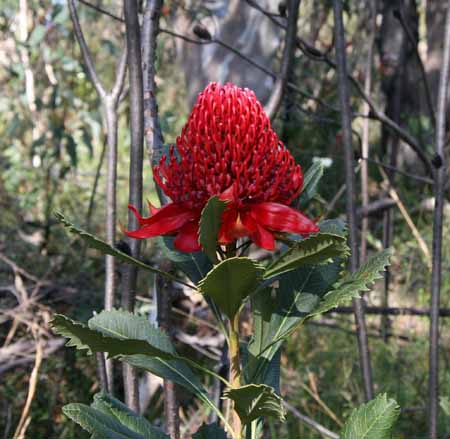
(373, 420)
(254, 401)
(275, 318)
(194, 265)
(177, 372)
(115, 408)
(114, 340)
(99, 424)
(277, 311)
(354, 283)
(230, 282)
(212, 431)
(209, 226)
(94, 242)
(310, 182)
(316, 249)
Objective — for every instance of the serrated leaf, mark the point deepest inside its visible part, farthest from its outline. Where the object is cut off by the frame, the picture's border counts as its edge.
(115, 343)
(355, 283)
(254, 401)
(316, 249)
(95, 242)
(277, 311)
(99, 424)
(212, 431)
(177, 372)
(275, 326)
(373, 420)
(230, 282)
(115, 408)
(310, 181)
(209, 226)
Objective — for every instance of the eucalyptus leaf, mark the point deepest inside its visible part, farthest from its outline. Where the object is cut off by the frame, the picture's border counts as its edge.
(209, 226)
(230, 282)
(254, 401)
(374, 420)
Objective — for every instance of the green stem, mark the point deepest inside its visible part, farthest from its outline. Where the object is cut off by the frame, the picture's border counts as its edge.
(235, 369)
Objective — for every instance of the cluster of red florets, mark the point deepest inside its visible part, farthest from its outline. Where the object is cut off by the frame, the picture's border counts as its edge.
(228, 139)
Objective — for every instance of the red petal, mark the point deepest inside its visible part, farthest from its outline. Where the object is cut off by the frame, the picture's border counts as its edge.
(281, 218)
(169, 219)
(187, 238)
(152, 209)
(226, 235)
(258, 234)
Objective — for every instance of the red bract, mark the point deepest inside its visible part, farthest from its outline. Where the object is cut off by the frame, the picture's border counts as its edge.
(227, 148)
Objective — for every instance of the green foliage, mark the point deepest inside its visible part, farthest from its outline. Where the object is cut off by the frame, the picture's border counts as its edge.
(278, 315)
(316, 249)
(373, 420)
(230, 282)
(117, 333)
(99, 424)
(134, 340)
(110, 419)
(310, 181)
(209, 226)
(254, 401)
(96, 243)
(212, 431)
(354, 283)
(115, 408)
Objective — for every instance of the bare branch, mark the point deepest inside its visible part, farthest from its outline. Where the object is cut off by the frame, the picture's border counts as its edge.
(310, 422)
(135, 176)
(276, 97)
(344, 98)
(436, 274)
(85, 52)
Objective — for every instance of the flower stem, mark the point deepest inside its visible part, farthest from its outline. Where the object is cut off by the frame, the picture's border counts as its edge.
(235, 369)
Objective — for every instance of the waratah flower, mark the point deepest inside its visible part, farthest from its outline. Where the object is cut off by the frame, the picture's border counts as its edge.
(228, 149)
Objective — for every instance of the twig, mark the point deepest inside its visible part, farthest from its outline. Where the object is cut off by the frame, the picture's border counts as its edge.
(310, 422)
(279, 87)
(436, 274)
(155, 145)
(102, 11)
(131, 384)
(24, 418)
(392, 311)
(358, 305)
(394, 195)
(366, 130)
(110, 101)
(94, 187)
(317, 55)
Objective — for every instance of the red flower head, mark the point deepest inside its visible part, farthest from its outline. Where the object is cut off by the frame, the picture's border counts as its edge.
(227, 148)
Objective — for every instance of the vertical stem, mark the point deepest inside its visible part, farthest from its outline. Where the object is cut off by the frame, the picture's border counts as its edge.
(135, 177)
(235, 368)
(436, 273)
(366, 131)
(111, 212)
(358, 304)
(155, 145)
